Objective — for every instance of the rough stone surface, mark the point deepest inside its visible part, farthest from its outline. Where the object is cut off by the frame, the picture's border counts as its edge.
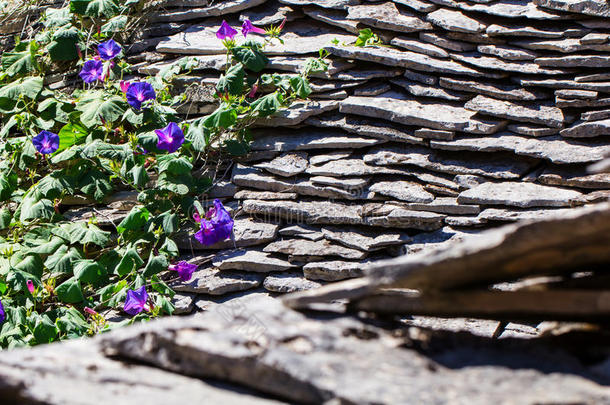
(418, 46)
(286, 165)
(288, 282)
(307, 140)
(453, 20)
(305, 248)
(587, 129)
(215, 282)
(387, 16)
(522, 195)
(365, 241)
(537, 114)
(403, 191)
(332, 270)
(250, 260)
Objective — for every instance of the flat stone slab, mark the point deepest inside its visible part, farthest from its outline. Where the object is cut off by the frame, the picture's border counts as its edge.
(299, 38)
(264, 195)
(498, 166)
(286, 165)
(303, 231)
(537, 114)
(335, 4)
(291, 140)
(183, 304)
(446, 43)
(553, 148)
(246, 232)
(507, 52)
(522, 195)
(532, 130)
(388, 17)
(587, 129)
(488, 62)
(445, 205)
(288, 283)
(453, 20)
(250, 260)
(515, 214)
(218, 9)
(402, 190)
(566, 84)
(575, 61)
(333, 17)
(216, 282)
(297, 113)
(333, 270)
(504, 92)
(521, 30)
(365, 241)
(577, 177)
(307, 248)
(437, 240)
(411, 112)
(423, 90)
(596, 8)
(419, 46)
(508, 9)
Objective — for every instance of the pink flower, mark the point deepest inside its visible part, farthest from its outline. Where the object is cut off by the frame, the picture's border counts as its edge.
(30, 285)
(124, 85)
(253, 91)
(90, 311)
(248, 27)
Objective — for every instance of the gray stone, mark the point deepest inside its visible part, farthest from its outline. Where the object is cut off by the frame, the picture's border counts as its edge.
(566, 45)
(501, 91)
(514, 215)
(488, 62)
(496, 167)
(573, 103)
(297, 113)
(529, 31)
(365, 241)
(291, 140)
(419, 77)
(288, 283)
(579, 61)
(364, 75)
(422, 90)
(333, 17)
(264, 195)
(554, 148)
(319, 159)
(445, 205)
(418, 46)
(331, 95)
(402, 190)
(537, 114)
(250, 260)
(216, 282)
(532, 130)
(299, 38)
(222, 189)
(349, 167)
(348, 183)
(337, 4)
(372, 89)
(183, 304)
(439, 239)
(507, 8)
(286, 165)
(597, 77)
(332, 270)
(442, 42)
(434, 134)
(464, 222)
(506, 52)
(522, 195)
(246, 232)
(303, 231)
(453, 20)
(218, 9)
(597, 8)
(587, 129)
(387, 16)
(306, 248)
(273, 15)
(576, 94)
(407, 219)
(295, 64)
(417, 5)
(566, 84)
(595, 115)
(412, 112)
(466, 181)
(574, 177)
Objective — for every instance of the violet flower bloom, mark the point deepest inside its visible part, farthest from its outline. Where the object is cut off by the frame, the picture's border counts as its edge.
(30, 285)
(135, 301)
(124, 85)
(247, 27)
(216, 226)
(92, 70)
(139, 92)
(108, 50)
(226, 31)
(185, 269)
(46, 142)
(2, 313)
(170, 138)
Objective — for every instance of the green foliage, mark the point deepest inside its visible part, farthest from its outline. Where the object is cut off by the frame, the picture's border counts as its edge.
(366, 37)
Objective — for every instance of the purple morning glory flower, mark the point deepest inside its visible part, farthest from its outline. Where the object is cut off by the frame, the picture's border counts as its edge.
(2, 313)
(170, 138)
(135, 301)
(185, 269)
(139, 92)
(216, 226)
(92, 70)
(46, 142)
(108, 50)
(248, 27)
(226, 31)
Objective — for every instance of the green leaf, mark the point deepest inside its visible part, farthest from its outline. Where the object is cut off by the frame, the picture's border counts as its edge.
(64, 45)
(48, 247)
(71, 134)
(70, 291)
(198, 135)
(95, 8)
(95, 184)
(168, 221)
(10, 93)
(22, 60)
(136, 219)
(251, 55)
(72, 323)
(57, 17)
(170, 247)
(223, 117)
(45, 330)
(62, 261)
(99, 148)
(33, 207)
(8, 184)
(115, 24)
(160, 286)
(300, 85)
(96, 108)
(236, 147)
(131, 260)
(155, 265)
(165, 305)
(89, 271)
(54, 184)
(233, 81)
(174, 165)
(268, 104)
(84, 233)
(31, 264)
(5, 218)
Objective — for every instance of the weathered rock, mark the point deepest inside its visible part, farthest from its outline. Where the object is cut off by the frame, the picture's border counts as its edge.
(349, 167)
(225, 7)
(515, 214)
(417, 5)
(387, 16)
(576, 94)
(507, 8)
(250, 260)
(215, 282)
(453, 20)
(565, 84)
(286, 165)
(418, 46)
(303, 231)
(488, 62)
(297, 113)
(445, 205)
(418, 77)
(506, 52)
(555, 148)
(532, 130)
(505, 92)
(594, 61)
(288, 283)
(574, 177)
(374, 89)
(264, 195)
(522, 195)
(412, 112)
(402, 190)
(597, 77)
(319, 159)
(597, 8)
(347, 183)
(595, 115)
(587, 129)
(183, 304)
(439, 239)
(246, 232)
(537, 114)
(500, 166)
(338, 4)
(333, 17)
(442, 42)
(365, 241)
(291, 140)
(527, 31)
(422, 90)
(573, 103)
(306, 248)
(271, 15)
(332, 270)
(434, 134)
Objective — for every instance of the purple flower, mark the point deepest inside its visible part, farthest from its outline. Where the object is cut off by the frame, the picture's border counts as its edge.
(124, 85)
(46, 142)
(139, 92)
(108, 50)
(216, 226)
(135, 301)
(2, 313)
(247, 27)
(185, 269)
(170, 138)
(92, 70)
(226, 31)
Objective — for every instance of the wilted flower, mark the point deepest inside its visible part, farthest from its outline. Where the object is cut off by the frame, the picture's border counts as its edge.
(46, 142)
(216, 226)
(135, 301)
(185, 269)
(124, 85)
(90, 311)
(30, 285)
(139, 92)
(226, 31)
(170, 138)
(108, 50)
(253, 91)
(92, 70)
(2, 313)
(247, 27)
